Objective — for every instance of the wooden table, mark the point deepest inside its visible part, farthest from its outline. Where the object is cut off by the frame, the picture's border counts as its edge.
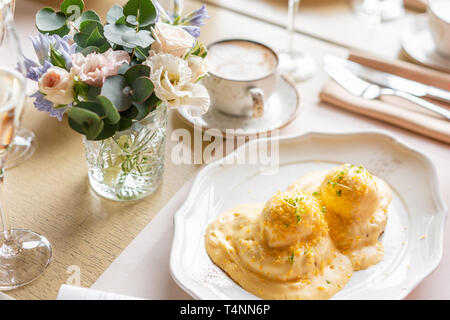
(50, 194)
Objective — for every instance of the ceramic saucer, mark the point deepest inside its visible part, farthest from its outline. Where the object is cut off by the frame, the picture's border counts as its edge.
(281, 108)
(418, 44)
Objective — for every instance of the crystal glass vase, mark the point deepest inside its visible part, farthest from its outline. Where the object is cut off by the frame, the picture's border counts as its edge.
(130, 164)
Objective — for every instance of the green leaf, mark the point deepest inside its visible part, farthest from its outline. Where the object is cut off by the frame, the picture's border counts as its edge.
(95, 39)
(111, 113)
(85, 122)
(92, 106)
(142, 89)
(131, 113)
(115, 88)
(143, 10)
(123, 68)
(137, 71)
(49, 21)
(107, 131)
(114, 14)
(92, 93)
(57, 59)
(114, 32)
(142, 38)
(141, 53)
(71, 7)
(90, 49)
(124, 124)
(88, 27)
(80, 88)
(148, 106)
(122, 20)
(87, 15)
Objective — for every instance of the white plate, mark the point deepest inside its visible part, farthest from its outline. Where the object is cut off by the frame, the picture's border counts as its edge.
(282, 107)
(418, 44)
(413, 239)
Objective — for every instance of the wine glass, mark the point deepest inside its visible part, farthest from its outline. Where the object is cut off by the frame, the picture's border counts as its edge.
(22, 146)
(376, 11)
(24, 254)
(299, 65)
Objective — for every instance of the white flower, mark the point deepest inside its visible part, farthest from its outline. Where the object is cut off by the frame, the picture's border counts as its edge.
(171, 39)
(175, 85)
(198, 67)
(57, 85)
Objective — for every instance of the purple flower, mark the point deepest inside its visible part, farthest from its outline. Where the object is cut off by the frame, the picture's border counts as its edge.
(43, 42)
(34, 70)
(190, 22)
(196, 18)
(43, 104)
(193, 30)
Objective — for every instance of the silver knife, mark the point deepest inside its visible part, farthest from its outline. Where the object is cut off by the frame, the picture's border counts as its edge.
(366, 90)
(391, 81)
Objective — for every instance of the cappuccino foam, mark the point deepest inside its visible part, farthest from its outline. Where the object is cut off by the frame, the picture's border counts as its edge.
(240, 60)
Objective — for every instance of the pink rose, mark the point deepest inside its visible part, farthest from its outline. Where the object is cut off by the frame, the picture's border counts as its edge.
(95, 67)
(57, 85)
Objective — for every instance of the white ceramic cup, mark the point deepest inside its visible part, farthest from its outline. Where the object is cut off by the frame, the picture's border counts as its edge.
(439, 22)
(244, 98)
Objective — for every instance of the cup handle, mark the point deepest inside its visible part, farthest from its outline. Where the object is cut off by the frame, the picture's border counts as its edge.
(258, 102)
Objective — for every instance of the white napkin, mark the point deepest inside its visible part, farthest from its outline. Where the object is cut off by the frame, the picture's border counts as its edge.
(67, 292)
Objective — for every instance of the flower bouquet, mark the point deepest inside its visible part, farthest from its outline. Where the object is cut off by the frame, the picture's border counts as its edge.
(115, 81)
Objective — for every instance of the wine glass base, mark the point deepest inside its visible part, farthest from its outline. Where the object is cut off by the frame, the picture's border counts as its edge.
(298, 65)
(23, 147)
(33, 256)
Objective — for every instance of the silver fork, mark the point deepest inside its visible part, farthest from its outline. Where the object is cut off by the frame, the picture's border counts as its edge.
(361, 88)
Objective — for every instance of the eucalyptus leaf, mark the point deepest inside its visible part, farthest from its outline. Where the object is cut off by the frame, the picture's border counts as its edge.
(123, 69)
(142, 38)
(122, 20)
(148, 106)
(143, 10)
(142, 89)
(107, 131)
(132, 20)
(90, 49)
(85, 122)
(92, 106)
(111, 113)
(95, 39)
(114, 32)
(92, 93)
(141, 53)
(87, 15)
(131, 113)
(114, 14)
(72, 7)
(115, 89)
(88, 27)
(124, 124)
(137, 71)
(49, 21)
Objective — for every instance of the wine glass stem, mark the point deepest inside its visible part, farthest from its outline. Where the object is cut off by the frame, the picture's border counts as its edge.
(8, 248)
(292, 11)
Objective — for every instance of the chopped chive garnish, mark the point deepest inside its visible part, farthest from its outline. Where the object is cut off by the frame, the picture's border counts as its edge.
(291, 258)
